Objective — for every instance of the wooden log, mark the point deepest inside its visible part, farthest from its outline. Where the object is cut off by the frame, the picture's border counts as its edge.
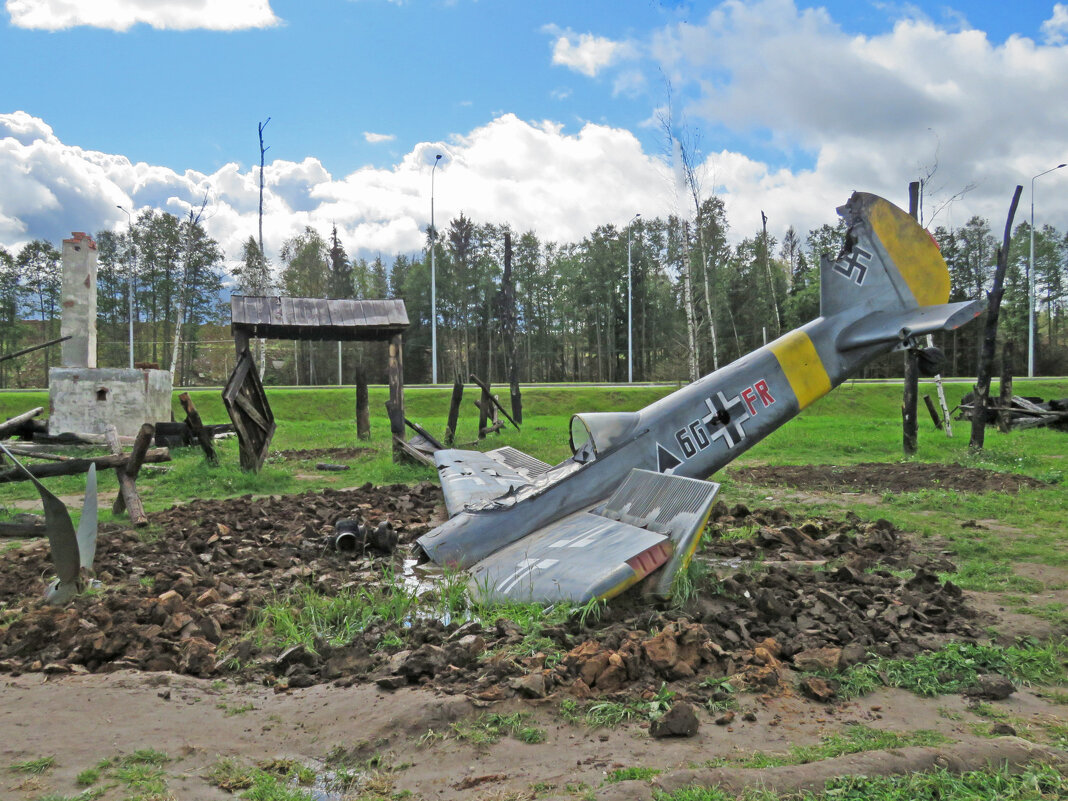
(128, 474)
(363, 413)
(485, 388)
(35, 453)
(990, 333)
(19, 420)
(192, 419)
(491, 429)
(407, 451)
(418, 429)
(74, 466)
(483, 405)
(935, 417)
(395, 406)
(22, 530)
(909, 405)
(1005, 399)
(454, 412)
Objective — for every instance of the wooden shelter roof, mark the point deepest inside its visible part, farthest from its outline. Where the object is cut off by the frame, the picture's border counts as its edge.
(317, 318)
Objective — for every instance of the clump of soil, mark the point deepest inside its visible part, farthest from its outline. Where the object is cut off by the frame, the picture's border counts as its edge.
(181, 602)
(880, 477)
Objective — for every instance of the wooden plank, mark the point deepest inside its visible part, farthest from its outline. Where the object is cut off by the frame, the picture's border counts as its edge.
(19, 420)
(130, 500)
(192, 419)
(74, 466)
(251, 411)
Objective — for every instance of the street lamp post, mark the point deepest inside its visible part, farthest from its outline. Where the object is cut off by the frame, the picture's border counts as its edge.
(433, 283)
(1031, 282)
(129, 281)
(630, 316)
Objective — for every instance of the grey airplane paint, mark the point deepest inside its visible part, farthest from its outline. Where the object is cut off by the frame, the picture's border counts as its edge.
(72, 551)
(630, 500)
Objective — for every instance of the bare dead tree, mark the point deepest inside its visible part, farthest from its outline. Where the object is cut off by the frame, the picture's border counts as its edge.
(183, 289)
(990, 333)
(684, 161)
(263, 153)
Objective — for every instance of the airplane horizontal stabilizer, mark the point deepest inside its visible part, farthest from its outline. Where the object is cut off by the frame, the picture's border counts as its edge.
(673, 505)
(651, 520)
(880, 327)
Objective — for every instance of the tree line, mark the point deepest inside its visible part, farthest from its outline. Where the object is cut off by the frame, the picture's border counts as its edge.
(697, 301)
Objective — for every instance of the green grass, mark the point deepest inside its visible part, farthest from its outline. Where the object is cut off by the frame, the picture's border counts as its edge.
(489, 729)
(853, 739)
(631, 774)
(1037, 783)
(34, 767)
(955, 668)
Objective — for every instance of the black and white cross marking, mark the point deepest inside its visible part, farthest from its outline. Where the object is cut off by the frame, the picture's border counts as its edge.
(856, 262)
(719, 419)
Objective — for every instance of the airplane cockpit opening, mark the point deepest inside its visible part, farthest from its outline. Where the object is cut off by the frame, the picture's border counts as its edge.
(595, 433)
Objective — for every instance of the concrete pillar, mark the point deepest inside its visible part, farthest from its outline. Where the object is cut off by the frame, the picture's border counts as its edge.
(78, 298)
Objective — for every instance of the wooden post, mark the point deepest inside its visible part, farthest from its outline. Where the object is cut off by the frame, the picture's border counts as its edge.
(931, 410)
(909, 421)
(990, 333)
(454, 412)
(1005, 399)
(508, 326)
(363, 414)
(395, 405)
(192, 419)
(483, 411)
(128, 499)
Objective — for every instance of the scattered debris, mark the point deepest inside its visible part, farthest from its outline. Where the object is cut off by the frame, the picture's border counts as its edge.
(1021, 412)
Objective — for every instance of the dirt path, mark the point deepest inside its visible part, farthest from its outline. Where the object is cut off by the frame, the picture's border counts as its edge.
(85, 719)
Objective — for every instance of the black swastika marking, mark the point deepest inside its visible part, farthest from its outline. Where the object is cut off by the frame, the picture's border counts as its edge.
(856, 262)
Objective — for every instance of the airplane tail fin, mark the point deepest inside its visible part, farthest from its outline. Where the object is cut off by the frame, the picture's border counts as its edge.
(888, 263)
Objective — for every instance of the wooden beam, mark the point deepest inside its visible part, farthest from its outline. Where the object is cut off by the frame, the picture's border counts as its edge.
(192, 419)
(74, 466)
(131, 501)
(19, 420)
(395, 406)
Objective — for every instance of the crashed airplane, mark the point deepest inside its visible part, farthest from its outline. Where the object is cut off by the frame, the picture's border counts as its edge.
(631, 500)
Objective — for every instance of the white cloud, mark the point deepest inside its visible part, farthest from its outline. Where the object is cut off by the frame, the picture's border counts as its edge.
(585, 52)
(120, 15)
(864, 107)
(376, 138)
(1055, 29)
(533, 176)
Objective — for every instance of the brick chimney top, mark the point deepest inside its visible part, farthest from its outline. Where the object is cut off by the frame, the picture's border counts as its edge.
(79, 238)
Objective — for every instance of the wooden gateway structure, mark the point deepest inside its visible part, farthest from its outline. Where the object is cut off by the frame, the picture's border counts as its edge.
(308, 319)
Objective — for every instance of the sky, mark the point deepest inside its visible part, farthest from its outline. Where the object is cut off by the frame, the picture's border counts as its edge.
(549, 115)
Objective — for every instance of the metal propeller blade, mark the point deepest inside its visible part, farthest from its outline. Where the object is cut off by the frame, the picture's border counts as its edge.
(86, 534)
(62, 539)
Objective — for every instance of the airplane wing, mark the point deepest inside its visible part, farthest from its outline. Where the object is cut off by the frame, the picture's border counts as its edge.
(472, 476)
(651, 520)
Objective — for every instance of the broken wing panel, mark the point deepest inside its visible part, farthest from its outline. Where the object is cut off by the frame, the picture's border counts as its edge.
(579, 557)
(472, 477)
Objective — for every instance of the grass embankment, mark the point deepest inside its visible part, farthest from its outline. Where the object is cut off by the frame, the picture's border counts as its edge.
(858, 422)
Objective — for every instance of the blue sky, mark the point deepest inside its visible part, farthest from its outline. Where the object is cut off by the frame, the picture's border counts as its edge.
(537, 105)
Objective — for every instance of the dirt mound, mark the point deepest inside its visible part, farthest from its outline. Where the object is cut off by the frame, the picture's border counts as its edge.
(181, 601)
(879, 477)
(171, 597)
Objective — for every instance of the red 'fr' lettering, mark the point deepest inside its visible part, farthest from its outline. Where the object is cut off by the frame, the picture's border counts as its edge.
(761, 387)
(750, 399)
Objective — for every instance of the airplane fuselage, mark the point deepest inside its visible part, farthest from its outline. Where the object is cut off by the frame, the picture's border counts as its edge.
(692, 432)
